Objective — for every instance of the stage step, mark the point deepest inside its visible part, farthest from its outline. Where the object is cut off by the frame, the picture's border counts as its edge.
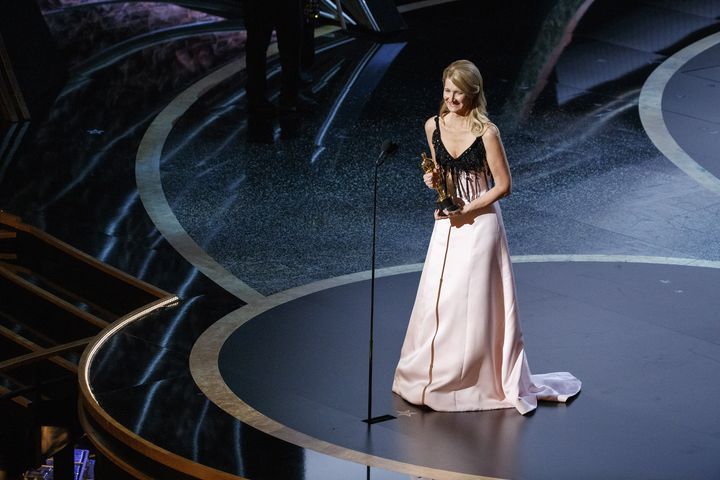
(55, 301)
(131, 460)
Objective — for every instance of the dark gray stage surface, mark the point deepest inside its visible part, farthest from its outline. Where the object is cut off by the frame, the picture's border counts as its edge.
(643, 338)
(690, 108)
(587, 179)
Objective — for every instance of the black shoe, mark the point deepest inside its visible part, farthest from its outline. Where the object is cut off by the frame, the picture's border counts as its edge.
(306, 78)
(290, 126)
(301, 104)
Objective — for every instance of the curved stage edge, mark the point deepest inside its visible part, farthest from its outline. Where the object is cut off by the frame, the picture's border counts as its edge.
(616, 325)
(251, 413)
(96, 420)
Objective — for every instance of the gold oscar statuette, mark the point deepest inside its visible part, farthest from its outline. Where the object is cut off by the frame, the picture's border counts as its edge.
(444, 202)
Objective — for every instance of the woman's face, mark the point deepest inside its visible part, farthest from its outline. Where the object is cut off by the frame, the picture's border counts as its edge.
(455, 100)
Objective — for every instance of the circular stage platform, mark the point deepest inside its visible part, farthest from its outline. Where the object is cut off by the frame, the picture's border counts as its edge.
(642, 337)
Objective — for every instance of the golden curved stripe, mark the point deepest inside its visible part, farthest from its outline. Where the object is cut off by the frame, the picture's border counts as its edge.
(206, 373)
(116, 429)
(96, 439)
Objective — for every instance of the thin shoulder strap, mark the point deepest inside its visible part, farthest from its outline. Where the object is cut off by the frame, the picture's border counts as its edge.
(436, 133)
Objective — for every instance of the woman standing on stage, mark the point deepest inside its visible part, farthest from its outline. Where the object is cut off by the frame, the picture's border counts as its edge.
(464, 348)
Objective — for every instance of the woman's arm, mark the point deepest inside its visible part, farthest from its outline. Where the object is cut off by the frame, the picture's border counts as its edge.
(497, 161)
(430, 178)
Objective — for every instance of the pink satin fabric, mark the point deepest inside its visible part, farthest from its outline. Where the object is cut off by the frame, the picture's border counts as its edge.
(464, 347)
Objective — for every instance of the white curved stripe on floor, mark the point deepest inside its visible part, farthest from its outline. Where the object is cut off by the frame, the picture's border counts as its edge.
(651, 113)
(149, 183)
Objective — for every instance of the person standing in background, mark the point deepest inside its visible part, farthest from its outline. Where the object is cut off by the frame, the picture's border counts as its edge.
(261, 18)
(307, 50)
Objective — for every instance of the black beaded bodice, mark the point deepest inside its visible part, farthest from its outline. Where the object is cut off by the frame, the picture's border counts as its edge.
(462, 174)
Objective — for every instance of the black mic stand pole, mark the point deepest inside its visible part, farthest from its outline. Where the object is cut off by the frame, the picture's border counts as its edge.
(387, 148)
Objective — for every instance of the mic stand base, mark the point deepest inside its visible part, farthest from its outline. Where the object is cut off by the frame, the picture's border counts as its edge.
(381, 418)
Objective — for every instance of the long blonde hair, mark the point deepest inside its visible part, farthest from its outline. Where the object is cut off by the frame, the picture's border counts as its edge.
(466, 76)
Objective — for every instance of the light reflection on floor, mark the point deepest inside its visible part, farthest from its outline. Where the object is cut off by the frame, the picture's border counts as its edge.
(586, 178)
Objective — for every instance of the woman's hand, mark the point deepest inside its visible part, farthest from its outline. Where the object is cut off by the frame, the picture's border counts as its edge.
(446, 214)
(431, 178)
(464, 215)
(456, 213)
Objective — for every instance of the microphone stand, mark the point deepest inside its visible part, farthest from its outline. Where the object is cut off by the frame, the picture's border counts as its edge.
(388, 148)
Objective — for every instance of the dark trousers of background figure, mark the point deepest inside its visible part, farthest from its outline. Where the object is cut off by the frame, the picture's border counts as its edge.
(261, 18)
(307, 50)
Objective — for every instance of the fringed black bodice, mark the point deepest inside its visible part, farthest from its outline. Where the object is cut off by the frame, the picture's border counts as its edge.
(462, 174)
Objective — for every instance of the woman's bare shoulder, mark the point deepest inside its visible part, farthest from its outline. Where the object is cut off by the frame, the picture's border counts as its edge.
(430, 124)
(490, 130)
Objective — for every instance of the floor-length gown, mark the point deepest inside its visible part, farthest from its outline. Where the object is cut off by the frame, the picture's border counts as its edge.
(464, 347)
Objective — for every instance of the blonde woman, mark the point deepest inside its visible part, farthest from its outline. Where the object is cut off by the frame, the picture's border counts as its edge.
(464, 347)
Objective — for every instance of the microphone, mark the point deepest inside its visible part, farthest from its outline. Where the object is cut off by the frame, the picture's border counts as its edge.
(388, 148)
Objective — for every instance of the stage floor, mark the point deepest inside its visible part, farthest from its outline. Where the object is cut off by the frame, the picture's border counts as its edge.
(643, 339)
(613, 228)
